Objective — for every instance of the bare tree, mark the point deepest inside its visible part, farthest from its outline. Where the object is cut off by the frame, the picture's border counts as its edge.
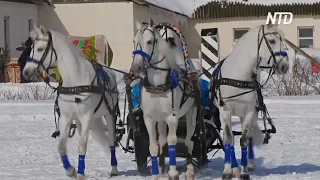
(301, 81)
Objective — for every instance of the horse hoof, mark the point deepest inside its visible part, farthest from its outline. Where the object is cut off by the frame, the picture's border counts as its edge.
(71, 172)
(144, 170)
(155, 177)
(251, 165)
(174, 177)
(113, 174)
(244, 177)
(189, 176)
(236, 172)
(190, 172)
(250, 168)
(227, 176)
(163, 169)
(80, 177)
(114, 171)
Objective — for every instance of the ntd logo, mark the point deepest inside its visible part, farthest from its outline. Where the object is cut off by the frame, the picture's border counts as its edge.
(287, 17)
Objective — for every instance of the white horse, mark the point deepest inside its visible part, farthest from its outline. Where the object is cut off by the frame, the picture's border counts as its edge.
(84, 85)
(154, 57)
(261, 47)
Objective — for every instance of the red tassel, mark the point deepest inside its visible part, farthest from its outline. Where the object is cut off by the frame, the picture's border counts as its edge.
(86, 46)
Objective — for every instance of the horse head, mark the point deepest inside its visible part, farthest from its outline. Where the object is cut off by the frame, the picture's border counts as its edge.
(43, 56)
(151, 50)
(267, 44)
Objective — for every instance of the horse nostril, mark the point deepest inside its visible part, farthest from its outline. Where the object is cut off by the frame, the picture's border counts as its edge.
(284, 69)
(26, 73)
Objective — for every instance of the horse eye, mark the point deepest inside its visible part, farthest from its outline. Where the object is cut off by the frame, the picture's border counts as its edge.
(40, 49)
(149, 42)
(272, 41)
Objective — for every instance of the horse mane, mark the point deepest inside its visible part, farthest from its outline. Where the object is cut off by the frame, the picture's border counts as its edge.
(246, 34)
(257, 28)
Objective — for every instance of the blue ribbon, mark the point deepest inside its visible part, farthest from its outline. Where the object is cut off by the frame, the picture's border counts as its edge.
(142, 53)
(281, 53)
(30, 59)
(216, 71)
(174, 77)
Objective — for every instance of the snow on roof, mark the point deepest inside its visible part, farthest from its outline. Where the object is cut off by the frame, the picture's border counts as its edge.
(187, 7)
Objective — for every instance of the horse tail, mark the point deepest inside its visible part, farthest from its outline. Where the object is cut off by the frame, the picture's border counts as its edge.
(257, 134)
(99, 135)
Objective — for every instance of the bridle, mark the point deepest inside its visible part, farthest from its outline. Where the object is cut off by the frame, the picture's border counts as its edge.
(254, 85)
(273, 54)
(148, 57)
(44, 56)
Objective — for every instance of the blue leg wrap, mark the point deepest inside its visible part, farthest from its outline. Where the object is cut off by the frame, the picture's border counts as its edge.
(244, 156)
(251, 154)
(234, 162)
(227, 153)
(65, 162)
(81, 164)
(172, 155)
(114, 161)
(154, 165)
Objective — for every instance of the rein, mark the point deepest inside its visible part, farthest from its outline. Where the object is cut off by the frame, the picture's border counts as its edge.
(253, 85)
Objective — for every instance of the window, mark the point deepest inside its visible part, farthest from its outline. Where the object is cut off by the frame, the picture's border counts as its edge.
(30, 24)
(238, 33)
(6, 35)
(305, 36)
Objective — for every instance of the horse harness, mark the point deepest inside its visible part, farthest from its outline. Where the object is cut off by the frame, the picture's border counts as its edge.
(253, 85)
(100, 88)
(171, 78)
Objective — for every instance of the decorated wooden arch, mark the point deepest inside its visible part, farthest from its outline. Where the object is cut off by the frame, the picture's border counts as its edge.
(179, 33)
(95, 48)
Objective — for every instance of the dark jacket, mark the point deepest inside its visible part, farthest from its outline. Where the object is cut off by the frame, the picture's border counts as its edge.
(25, 54)
(23, 58)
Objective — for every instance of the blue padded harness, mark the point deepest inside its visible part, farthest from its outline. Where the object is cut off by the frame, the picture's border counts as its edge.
(30, 59)
(143, 54)
(280, 53)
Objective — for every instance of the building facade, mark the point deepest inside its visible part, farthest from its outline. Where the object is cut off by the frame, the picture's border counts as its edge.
(116, 19)
(234, 20)
(16, 21)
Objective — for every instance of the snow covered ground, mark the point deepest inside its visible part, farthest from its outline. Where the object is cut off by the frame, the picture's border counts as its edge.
(29, 152)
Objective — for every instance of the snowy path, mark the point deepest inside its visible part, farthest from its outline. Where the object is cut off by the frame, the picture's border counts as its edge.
(28, 152)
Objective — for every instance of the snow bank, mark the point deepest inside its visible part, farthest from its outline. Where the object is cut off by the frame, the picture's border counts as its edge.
(40, 90)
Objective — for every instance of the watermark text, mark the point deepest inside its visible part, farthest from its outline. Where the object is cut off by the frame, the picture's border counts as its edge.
(277, 16)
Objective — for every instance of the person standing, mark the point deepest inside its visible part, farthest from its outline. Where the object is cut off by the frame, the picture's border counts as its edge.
(26, 50)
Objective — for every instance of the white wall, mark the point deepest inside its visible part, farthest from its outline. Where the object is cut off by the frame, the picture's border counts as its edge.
(19, 14)
(113, 20)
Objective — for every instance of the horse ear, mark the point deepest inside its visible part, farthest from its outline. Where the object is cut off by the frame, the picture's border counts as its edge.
(35, 32)
(43, 30)
(270, 25)
(138, 25)
(151, 22)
